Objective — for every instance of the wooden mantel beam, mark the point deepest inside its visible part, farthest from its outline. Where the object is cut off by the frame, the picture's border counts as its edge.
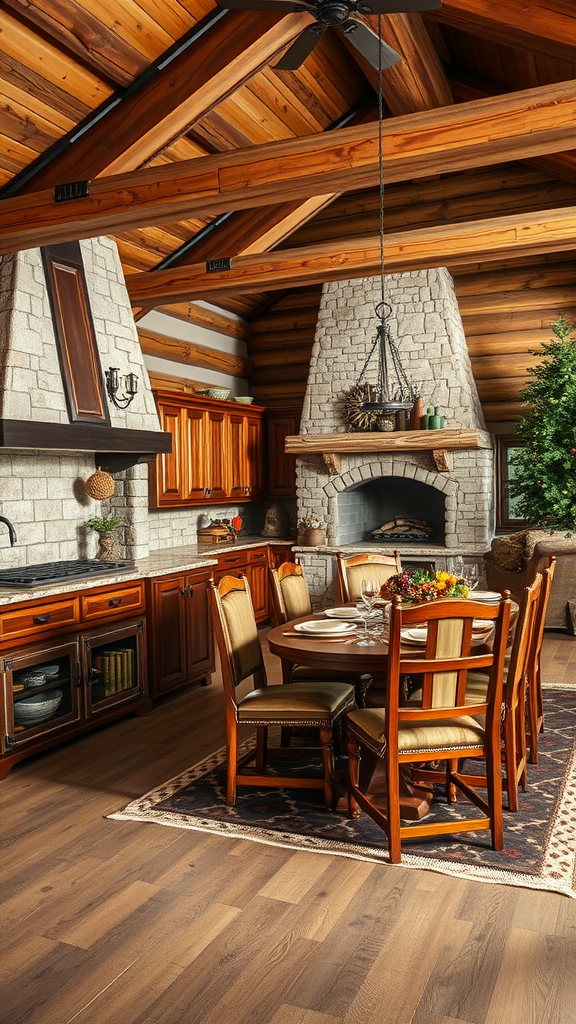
(498, 128)
(542, 231)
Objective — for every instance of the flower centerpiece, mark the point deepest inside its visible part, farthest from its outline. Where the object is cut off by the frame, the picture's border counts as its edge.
(423, 585)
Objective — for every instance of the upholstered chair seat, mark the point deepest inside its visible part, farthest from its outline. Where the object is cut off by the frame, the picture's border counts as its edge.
(297, 703)
(442, 734)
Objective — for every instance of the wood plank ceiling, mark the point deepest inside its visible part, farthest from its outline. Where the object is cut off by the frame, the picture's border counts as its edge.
(481, 166)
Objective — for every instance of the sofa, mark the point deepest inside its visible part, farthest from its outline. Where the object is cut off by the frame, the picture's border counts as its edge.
(512, 563)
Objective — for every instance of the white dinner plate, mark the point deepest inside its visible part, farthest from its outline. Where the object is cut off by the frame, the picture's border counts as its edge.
(487, 596)
(324, 627)
(351, 614)
(416, 635)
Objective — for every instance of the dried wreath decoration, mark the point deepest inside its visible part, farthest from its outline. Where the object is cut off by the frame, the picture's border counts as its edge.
(354, 398)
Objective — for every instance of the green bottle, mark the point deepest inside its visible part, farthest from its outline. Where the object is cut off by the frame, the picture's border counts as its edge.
(425, 421)
(435, 421)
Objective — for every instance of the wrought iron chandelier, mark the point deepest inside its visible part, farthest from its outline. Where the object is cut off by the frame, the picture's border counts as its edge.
(391, 391)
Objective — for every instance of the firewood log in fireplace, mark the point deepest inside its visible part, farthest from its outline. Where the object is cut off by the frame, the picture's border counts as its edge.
(404, 528)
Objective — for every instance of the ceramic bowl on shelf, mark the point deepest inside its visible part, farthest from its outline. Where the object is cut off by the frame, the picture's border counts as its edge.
(33, 678)
(221, 393)
(37, 708)
(244, 399)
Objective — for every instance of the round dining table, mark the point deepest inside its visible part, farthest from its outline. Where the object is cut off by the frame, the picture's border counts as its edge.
(344, 654)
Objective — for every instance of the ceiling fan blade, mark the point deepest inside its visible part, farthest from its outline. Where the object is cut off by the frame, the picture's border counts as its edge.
(396, 6)
(277, 6)
(366, 42)
(300, 49)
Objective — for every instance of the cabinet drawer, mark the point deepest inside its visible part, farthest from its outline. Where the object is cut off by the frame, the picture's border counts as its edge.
(112, 602)
(258, 556)
(233, 560)
(35, 620)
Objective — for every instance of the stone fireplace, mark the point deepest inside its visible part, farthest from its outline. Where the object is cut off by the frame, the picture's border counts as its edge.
(371, 488)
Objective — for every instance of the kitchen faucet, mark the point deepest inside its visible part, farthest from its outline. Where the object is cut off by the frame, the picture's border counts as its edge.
(11, 530)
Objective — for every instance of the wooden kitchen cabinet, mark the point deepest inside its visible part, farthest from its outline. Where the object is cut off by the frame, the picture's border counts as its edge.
(280, 467)
(217, 453)
(91, 652)
(252, 563)
(181, 639)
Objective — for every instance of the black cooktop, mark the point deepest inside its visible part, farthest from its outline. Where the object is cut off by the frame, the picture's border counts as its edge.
(59, 572)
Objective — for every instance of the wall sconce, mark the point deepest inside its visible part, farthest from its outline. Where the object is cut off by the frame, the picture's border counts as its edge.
(113, 383)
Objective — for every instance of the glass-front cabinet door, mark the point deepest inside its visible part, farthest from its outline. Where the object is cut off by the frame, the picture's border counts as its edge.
(41, 686)
(114, 666)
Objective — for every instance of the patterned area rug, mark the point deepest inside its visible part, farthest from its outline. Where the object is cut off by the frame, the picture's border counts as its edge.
(539, 840)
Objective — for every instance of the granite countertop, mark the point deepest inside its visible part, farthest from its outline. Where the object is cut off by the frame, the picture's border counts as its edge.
(159, 563)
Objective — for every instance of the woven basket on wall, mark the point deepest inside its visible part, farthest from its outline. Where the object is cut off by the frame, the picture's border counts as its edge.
(100, 485)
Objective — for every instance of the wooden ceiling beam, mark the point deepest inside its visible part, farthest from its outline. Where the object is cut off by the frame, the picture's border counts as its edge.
(418, 81)
(488, 131)
(210, 66)
(540, 232)
(560, 165)
(542, 26)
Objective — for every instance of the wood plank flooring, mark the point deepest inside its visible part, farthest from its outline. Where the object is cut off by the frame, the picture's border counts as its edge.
(109, 922)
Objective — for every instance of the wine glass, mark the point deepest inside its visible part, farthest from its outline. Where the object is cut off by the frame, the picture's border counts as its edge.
(471, 575)
(369, 592)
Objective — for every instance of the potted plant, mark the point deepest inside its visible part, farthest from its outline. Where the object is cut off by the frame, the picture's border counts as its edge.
(311, 532)
(544, 480)
(106, 527)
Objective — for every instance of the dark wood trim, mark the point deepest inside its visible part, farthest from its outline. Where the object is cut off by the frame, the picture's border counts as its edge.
(504, 521)
(75, 334)
(81, 437)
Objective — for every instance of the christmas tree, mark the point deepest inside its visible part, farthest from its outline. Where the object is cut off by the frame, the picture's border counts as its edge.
(544, 481)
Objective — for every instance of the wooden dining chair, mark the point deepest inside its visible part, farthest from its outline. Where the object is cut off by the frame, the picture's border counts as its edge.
(535, 703)
(368, 564)
(441, 727)
(298, 705)
(513, 730)
(291, 600)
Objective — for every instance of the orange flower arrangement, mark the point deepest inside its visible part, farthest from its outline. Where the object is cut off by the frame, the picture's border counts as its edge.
(423, 585)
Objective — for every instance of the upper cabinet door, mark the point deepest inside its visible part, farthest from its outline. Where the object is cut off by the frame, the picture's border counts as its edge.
(166, 474)
(236, 456)
(194, 455)
(254, 455)
(217, 461)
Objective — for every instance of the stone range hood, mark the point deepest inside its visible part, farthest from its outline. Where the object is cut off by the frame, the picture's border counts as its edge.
(33, 409)
(427, 325)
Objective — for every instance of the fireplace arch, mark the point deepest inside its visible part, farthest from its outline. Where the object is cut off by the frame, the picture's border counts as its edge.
(360, 488)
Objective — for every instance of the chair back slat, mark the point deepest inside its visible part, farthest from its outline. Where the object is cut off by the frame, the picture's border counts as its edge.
(523, 642)
(351, 571)
(448, 659)
(236, 632)
(290, 594)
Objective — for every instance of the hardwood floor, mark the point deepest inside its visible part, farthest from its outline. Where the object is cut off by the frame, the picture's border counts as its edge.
(110, 922)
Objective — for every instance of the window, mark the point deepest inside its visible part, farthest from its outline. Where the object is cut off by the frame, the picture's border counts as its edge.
(507, 516)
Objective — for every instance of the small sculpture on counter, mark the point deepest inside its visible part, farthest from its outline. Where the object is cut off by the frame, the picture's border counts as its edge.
(276, 522)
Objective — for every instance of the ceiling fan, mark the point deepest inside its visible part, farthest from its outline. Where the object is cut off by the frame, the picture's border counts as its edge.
(339, 14)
